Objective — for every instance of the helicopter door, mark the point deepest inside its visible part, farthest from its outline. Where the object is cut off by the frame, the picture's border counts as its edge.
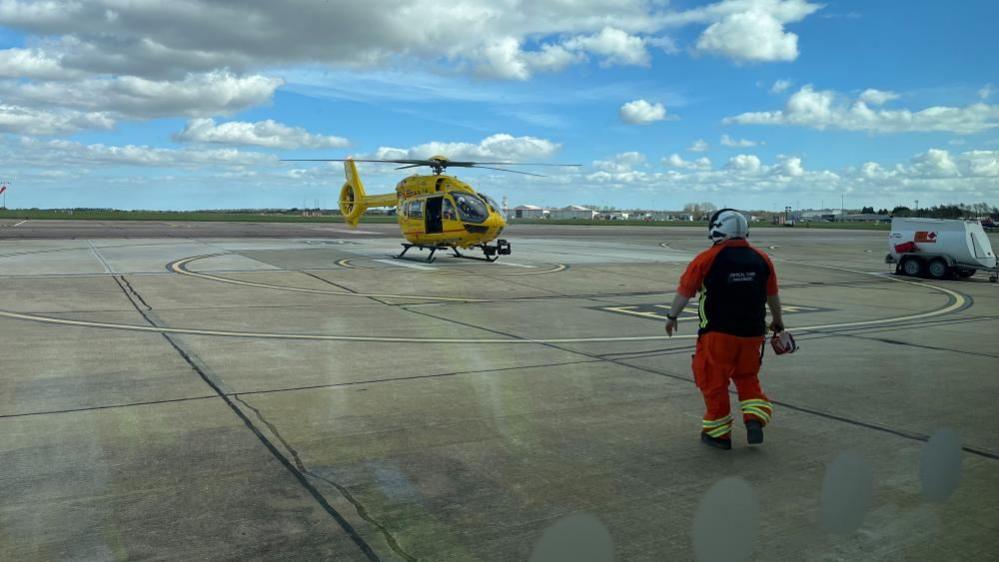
(434, 220)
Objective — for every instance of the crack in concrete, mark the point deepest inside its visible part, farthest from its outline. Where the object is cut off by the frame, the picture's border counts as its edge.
(216, 386)
(134, 292)
(362, 511)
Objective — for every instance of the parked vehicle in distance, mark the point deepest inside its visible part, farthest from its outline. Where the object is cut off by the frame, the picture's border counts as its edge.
(940, 249)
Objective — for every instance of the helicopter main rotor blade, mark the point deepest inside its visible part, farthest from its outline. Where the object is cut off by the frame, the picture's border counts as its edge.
(413, 162)
(504, 170)
(478, 164)
(442, 163)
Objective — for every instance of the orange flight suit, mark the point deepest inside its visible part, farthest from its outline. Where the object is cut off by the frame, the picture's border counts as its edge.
(733, 280)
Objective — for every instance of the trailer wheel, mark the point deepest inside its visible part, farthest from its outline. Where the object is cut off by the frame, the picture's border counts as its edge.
(965, 272)
(938, 269)
(912, 266)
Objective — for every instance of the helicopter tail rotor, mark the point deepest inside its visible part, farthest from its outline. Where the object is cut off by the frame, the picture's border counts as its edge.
(353, 199)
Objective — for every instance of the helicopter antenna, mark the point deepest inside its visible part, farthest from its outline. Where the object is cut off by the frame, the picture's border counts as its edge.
(438, 164)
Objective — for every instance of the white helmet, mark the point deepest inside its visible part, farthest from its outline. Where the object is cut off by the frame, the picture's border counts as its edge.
(727, 223)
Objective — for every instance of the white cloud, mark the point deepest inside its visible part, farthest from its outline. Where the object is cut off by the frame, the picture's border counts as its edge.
(934, 176)
(789, 166)
(822, 109)
(785, 11)
(665, 43)
(262, 133)
(615, 46)
(641, 112)
(501, 146)
(938, 168)
(750, 36)
(504, 59)
(737, 143)
(676, 161)
(980, 163)
(166, 41)
(197, 95)
(749, 30)
(620, 163)
(986, 92)
(57, 153)
(552, 58)
(871, 96)
(934, 163)
(33, 63)
(747, 163)
(781, 85)
(872, 171)
(30, 121)
(699, 145)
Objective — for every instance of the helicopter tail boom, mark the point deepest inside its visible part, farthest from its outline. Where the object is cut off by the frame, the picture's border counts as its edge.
(354, 200)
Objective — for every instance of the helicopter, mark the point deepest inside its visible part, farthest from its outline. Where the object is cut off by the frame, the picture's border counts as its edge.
(435, 212)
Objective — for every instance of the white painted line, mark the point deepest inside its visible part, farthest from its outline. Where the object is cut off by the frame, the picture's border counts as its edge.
(959, 301)
(350, 231)
(19, 224)
(501, 262)
(404, 264)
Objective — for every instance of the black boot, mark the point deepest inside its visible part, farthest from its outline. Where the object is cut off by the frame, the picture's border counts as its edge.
(716, 442)
(754, 432)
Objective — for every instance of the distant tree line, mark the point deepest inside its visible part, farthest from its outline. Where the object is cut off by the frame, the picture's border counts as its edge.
(700, 210)
(951, 211)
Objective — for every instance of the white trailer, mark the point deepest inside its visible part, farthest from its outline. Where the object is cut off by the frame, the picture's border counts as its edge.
(940, 248)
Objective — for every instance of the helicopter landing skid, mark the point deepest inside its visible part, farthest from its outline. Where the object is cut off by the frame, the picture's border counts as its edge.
(491, 253)
(433, 250)
(487, 258)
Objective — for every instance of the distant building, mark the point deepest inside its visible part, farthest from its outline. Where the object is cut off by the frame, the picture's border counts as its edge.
(651, 216)
(573, 212)
(819, 214)
(612, 215)
(529, 212)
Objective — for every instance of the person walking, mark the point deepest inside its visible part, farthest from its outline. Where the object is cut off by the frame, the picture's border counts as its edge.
(736, 282)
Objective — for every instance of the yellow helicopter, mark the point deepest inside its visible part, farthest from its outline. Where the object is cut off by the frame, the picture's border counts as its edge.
(435, 212)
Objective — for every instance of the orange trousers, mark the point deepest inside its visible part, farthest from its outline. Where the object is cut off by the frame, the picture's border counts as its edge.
(719, 359)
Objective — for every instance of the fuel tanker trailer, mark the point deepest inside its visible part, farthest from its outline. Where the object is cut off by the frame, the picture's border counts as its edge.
(940, 249)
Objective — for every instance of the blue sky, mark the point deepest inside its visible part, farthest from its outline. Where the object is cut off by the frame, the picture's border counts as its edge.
(755, 104)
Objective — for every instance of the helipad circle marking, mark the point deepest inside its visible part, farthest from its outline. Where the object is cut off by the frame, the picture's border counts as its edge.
(958, 302)
(179, 267)
(348, 263)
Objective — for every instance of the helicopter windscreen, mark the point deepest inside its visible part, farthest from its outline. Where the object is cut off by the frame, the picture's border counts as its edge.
(471, 209)
(490, 201)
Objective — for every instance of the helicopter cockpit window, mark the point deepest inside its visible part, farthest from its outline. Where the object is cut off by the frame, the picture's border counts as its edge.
(471, 208)
(447, 210)
(415, 209)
